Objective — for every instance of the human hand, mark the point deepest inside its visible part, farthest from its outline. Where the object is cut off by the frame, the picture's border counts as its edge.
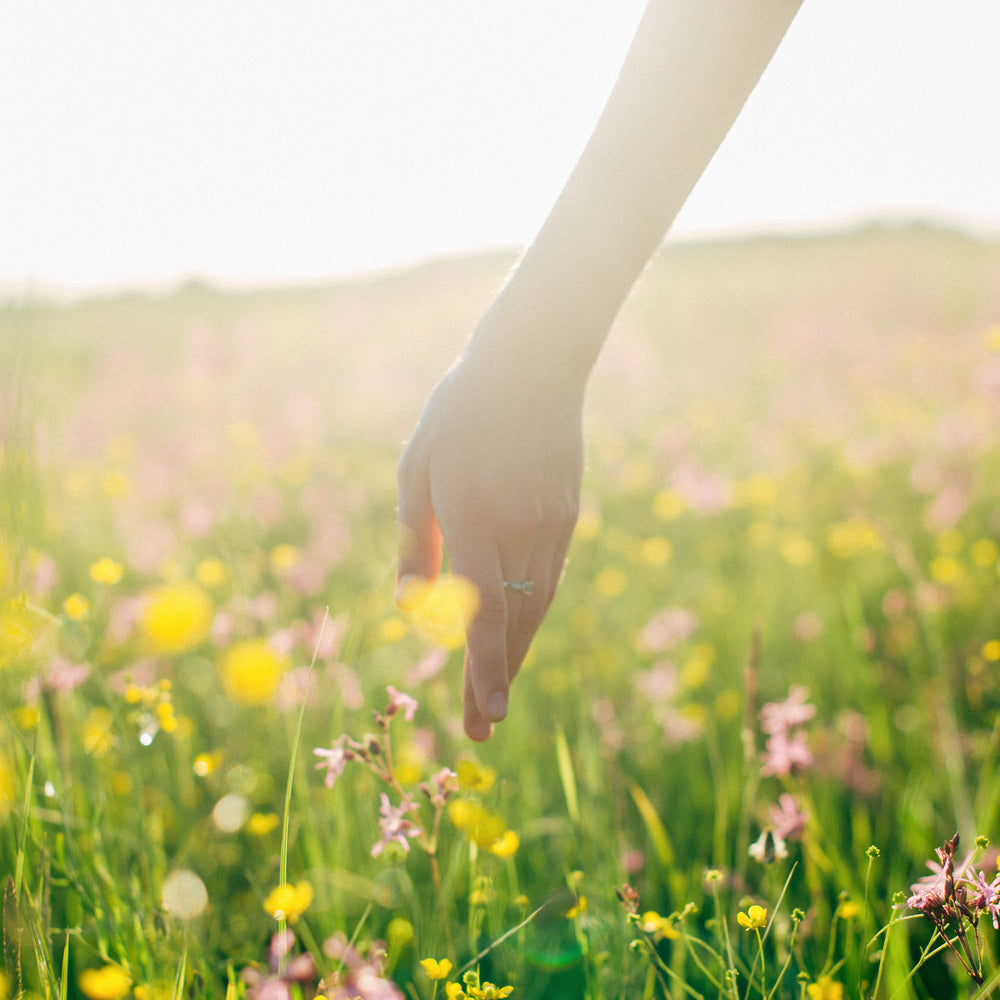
(493, 472)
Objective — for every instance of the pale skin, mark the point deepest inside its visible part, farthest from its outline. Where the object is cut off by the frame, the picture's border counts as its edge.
(493, 469)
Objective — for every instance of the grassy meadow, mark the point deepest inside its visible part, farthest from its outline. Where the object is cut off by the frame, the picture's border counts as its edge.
(764, 701)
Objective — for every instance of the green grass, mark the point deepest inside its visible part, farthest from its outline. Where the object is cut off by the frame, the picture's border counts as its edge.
(793, 442)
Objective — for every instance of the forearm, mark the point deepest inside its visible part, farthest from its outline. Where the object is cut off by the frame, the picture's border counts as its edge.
(688, 73)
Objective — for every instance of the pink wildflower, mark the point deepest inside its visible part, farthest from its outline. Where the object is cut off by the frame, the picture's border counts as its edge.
(395, 827)
(667, 629)
(333, 760)
(784, 752)
(781, 716)
(397, 701)
(788, 819)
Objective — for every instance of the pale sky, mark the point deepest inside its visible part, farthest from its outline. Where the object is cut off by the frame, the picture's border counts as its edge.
(254, 141)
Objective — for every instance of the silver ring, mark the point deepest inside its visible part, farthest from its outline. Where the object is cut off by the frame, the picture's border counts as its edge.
(524, 587)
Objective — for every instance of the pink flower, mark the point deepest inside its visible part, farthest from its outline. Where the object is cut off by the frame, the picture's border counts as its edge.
(781, 716)
(784, 752)
(397, 701)
(788, 819)
(63, 676)
(333, 760)
(395, 827)
(667, 629)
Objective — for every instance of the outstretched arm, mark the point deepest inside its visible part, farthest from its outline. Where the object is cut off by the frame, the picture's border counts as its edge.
(493, 468)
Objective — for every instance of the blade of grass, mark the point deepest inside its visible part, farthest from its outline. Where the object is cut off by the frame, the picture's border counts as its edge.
(23, 838)
(286, 818)
(500, 940)
(181, 976)
(567, 777)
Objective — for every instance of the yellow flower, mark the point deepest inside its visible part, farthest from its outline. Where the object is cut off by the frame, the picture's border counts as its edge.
(439, 610)
(261, 824)
(579, 907)
(848, 909)
(211, 573)
(289, 901)
(6, 788)
(97, 738)
(660, 927)
(488, 991)
(754, 919)
(991, 650)
(506, 845)
(436, 969)
(115, 484)
(454, 991)
(206, 763)
(76, 607)
(16, 629)
(176, 617)
(283, 558)
(473, 778)
(106, 571)
(825, 989)
(251, 670)
(110, 982)
(851, 538)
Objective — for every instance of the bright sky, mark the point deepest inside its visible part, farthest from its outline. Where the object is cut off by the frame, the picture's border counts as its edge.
(248, 140)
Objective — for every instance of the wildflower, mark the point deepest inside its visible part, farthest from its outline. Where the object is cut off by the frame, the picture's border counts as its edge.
(110, 982)
(848, 909)
(506, 845)
(786, 746)
(97, 738)
(289, 902)
(987, 896)
(579, 907)
(788, 819)
(251, 671)
(825, 989)
(6, 787)
(659, 927)
(211, 573)
(396, 829)
(784, 752)
(436, 969)
(176, 617)
(62, 676)
(261, 824)
(753, 919)
(441, 786)
(76, 607)
(333, 761)
(17, 632)
(439, 609)
(666, 629)
(777, 717)
(106, 571)
(399, 701)
(473, 778)
(768, 848)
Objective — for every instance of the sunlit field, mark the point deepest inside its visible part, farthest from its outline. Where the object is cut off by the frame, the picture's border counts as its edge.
(762, 706)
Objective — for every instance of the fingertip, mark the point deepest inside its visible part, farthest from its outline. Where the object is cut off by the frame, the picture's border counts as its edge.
(496, 707)
(409, 589)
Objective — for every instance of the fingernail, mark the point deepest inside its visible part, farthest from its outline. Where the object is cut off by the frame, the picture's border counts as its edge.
(496, 707)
